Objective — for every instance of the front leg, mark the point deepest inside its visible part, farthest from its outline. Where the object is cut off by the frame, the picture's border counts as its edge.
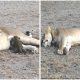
(67, 48)
(64, 46)
(29, 40)
(33, 49)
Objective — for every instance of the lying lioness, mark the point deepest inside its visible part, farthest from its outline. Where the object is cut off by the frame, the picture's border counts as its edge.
(64, 37)
(7, 33)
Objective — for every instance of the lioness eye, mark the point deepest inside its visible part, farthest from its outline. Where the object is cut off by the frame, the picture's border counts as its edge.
(46, 40)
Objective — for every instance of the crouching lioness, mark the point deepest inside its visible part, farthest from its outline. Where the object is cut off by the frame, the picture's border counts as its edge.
(64, 37)
(7, 33)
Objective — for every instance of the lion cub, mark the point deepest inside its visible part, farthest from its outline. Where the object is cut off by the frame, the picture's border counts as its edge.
(64, 37)
(16, 45)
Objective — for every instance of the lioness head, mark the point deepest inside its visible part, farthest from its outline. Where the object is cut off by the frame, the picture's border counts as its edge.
(47, 38)
(51, 36)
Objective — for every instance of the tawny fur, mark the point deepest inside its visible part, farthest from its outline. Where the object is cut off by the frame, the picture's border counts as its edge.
(6, 33)
(66, 37)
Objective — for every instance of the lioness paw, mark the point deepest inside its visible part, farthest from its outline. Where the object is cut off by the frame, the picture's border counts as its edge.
(60, 51)
(65, 51)
(35, 50)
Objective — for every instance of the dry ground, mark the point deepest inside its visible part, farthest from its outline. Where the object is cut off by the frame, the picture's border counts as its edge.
(24, 16)
(60, 14)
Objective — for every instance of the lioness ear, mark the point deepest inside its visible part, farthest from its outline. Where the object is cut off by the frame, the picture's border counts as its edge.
(49, 29)
(54, 28)
(57, 32)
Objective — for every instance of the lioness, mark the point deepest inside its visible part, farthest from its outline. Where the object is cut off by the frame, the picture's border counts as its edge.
(64, 37)
(7, 33)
